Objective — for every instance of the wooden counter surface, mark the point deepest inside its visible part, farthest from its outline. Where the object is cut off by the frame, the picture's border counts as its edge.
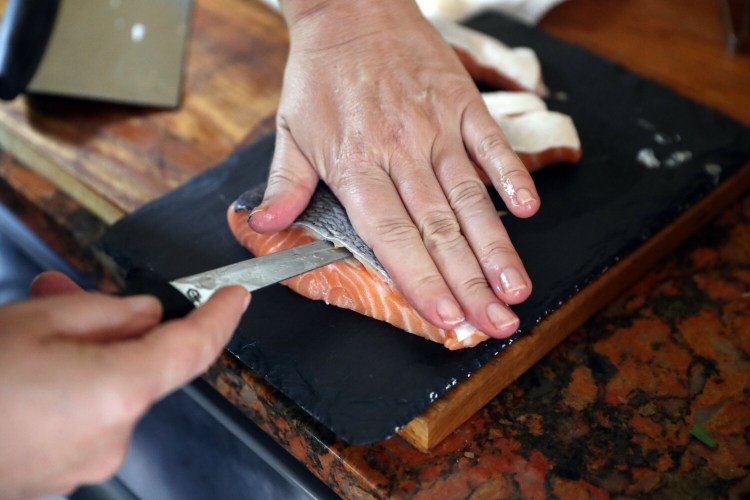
(607, 413)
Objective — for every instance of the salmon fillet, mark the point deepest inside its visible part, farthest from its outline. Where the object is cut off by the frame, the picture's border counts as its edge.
(539, 137)
(348, 284)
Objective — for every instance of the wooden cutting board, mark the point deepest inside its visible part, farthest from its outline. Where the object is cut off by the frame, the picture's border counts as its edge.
(114, 158)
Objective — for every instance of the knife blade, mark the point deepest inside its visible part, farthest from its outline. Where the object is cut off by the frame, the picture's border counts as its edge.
(181, 295)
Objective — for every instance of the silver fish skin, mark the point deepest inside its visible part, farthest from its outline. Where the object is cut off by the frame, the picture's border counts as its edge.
(326, 218)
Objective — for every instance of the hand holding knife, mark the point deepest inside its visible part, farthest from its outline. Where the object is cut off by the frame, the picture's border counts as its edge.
(180, 296)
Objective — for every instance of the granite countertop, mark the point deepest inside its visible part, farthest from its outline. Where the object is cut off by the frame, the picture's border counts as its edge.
(650, 397)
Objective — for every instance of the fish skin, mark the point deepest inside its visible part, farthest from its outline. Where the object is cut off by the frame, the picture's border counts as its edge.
(325, 218)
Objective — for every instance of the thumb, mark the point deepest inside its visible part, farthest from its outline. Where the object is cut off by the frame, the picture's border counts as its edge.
(291, 183)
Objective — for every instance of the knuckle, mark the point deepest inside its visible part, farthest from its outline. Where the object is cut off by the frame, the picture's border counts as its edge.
(473, 286)
(467, 194)
(395, 230)
(496, 251)
(403, 170)
(441, 231)
(281, 175)
(517, 174)
(425, 282)
(355, 175)
(460, 92)
(490, 146)
(395, 133)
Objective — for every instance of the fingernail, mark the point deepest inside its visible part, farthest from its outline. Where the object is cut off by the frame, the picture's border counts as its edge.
(524, 196)
(449, 311)
(259, 208)
(142, 304)
(501, 317)
(511, 280)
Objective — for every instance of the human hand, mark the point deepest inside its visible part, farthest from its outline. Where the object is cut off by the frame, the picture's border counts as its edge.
(379, 107)
(79, 369)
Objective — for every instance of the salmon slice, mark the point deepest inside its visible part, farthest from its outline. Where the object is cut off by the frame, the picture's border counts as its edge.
(538, 136)
(491, 62)
(357, 284)
(542, 138)
(503, 103)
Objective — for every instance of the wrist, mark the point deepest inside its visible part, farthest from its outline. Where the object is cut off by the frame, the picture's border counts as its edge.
(346, 17)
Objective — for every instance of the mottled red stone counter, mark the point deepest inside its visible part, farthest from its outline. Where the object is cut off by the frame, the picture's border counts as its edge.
(608, 413)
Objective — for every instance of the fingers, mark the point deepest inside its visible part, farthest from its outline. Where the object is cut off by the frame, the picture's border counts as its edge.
(488, 148)
(463, 235)
(177, 351)
(291, 183)
(481, 226)
(378, 213)
(52, 283)
(90, 316)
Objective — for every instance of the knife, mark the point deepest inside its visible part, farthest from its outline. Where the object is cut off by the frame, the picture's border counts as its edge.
(180, 296)
(128, 51)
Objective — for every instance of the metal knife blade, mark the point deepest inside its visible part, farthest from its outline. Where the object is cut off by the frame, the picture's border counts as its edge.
(261, 271)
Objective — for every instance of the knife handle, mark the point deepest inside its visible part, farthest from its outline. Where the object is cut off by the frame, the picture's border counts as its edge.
(174, 303)
(24, 33)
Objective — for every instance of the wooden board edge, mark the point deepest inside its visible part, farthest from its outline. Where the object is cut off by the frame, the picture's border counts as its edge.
(452, 410)
(29, 156)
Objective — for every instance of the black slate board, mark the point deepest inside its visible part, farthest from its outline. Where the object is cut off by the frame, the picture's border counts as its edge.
(364, 379)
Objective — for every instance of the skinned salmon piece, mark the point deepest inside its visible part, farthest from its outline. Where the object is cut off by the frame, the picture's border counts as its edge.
(538, 136)
(542, 138)
(491, 62)
(348, 284)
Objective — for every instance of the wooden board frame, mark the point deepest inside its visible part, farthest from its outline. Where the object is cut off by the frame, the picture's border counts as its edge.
(461, 402)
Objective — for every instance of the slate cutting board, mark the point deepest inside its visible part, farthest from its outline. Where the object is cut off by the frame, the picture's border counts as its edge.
(364, 379)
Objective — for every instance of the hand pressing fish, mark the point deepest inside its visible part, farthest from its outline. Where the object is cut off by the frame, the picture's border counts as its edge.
(362, 284)
(398, 152)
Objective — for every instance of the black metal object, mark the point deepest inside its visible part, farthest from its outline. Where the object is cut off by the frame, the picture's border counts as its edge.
(24, 33)
(649, 154)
